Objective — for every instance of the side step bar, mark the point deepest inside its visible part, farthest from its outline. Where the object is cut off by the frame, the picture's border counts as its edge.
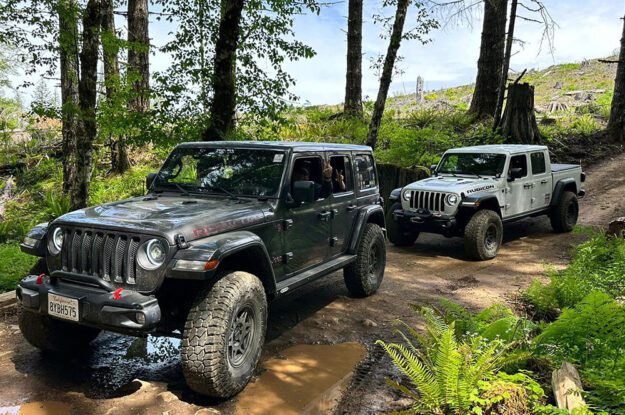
(314, 273)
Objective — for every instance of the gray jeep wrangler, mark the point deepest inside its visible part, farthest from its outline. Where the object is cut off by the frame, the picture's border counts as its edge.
(224, 228)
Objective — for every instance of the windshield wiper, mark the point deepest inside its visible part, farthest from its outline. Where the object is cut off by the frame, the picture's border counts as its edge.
(226, 191)
(182, 189)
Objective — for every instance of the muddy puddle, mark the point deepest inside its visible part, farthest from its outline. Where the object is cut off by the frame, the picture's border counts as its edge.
(38, 408)
(303, 379)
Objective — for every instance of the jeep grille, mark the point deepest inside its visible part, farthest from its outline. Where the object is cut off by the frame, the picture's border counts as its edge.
(106, 255)
(431, 201)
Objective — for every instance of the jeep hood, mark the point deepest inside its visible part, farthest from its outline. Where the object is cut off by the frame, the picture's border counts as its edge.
(458, 185)
(168, 216)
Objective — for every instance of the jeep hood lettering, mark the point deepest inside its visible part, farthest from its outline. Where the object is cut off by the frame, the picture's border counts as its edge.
(450, 184)
(168, 216)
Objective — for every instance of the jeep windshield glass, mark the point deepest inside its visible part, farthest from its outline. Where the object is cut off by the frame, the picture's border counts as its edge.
(229, 171)
(472, 164)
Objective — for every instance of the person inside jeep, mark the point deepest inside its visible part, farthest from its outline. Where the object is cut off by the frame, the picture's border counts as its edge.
(329, 177)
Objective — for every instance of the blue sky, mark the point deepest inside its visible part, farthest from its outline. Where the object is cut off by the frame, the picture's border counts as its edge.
(587, 29)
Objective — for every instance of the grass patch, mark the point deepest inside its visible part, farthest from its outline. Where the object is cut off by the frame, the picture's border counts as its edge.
(14, 265)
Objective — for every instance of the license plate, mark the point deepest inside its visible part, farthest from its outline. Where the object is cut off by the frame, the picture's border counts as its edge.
(63, 307)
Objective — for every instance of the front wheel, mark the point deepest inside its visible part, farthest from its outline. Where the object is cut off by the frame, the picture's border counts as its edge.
(364, 276)
(564, 215)
(224, 335)
(483, 235)
(52, 335)
(398, 234)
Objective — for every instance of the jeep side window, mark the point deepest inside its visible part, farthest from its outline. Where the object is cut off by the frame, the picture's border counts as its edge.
(538, 163)
(311, 169)
(365, 177)
(519, 161)
(342, 180)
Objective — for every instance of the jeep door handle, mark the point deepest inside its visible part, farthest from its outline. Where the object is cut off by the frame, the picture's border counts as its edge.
(545, 181)
(351, 208)
(325, 216)
(528, 186)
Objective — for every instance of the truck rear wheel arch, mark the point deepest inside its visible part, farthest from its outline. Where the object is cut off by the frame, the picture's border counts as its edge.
(370, 214)
(562, 186)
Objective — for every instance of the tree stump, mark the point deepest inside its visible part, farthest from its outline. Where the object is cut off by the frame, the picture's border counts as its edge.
(567, 387)
(391, 177)
(616, 227)
(519, 120)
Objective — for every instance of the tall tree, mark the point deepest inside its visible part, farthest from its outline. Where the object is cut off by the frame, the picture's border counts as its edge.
(616, 123)
(87, 92)
(139, 55)
(67, 11)
(110, 49)
(387, 71)
(353, 78)
(223, 104)
(506, 65)
(491, 61)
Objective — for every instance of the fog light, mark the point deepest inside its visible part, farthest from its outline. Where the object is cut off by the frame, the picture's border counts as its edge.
(140, 317)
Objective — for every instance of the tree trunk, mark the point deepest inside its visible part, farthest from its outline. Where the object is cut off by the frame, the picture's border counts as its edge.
(387, 71)
(353, 78)
(491, 60)
(68, 54)
(506, 66)
(110, 50)
(616, 124)
(87, 92)
(223, 104)
(519, 121)
(139, 55)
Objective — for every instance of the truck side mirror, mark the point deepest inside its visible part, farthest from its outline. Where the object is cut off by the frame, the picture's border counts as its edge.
(149, 180)
(304, 191)
(515, 173)
(433, 168)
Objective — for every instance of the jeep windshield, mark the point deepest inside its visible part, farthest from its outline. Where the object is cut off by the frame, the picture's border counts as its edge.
(230, 171)
(472, 164)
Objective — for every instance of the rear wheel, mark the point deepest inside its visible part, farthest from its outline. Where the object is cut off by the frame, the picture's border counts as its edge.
(224, 335)
(52, 335)
(398, 234)
(364, 276)
(483, 235)
(564, 215)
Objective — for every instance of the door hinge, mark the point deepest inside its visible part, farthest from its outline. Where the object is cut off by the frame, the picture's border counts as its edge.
(288, 257)
(287, 223)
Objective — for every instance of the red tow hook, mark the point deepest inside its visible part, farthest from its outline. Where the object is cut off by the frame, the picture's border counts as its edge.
(117, 294)
(39, 280)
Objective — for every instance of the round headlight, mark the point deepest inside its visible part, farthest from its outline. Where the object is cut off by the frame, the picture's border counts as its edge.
(451, 199)
(56, 244)
(152, 254)
(406, 196)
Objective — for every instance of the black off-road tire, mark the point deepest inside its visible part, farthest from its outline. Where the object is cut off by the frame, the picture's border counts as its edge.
(51, 335)
(218, 328)
(364, 276)
(564, 215)
(397, 234)
(483, 235)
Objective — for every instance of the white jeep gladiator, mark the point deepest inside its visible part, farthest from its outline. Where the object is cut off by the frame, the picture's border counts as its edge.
(474, 190)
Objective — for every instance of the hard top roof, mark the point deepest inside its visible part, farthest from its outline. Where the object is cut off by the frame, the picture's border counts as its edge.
(499, 148)
(277, 145)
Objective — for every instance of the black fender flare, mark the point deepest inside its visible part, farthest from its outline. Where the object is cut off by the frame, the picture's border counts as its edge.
(371, 213)
(479, 201)
(39, 234)
(221, 247)
(559, 189)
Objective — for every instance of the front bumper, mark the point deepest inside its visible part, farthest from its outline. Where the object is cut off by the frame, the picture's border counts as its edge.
(97, 307)
(426, 221)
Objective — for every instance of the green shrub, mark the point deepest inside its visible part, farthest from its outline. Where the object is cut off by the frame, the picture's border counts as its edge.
(597, 265)
(14, 266)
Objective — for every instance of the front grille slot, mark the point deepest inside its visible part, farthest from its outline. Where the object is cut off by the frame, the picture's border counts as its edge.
(430, 201)
(111, 257)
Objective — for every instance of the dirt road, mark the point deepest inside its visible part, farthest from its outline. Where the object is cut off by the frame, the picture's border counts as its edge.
(121, 376)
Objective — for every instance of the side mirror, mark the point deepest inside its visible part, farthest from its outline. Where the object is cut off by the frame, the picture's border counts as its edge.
(149, 180)
(515, 173)
(303, 191)
(433, 168)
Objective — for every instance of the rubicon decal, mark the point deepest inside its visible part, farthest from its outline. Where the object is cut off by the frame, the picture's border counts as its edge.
(481, 189)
